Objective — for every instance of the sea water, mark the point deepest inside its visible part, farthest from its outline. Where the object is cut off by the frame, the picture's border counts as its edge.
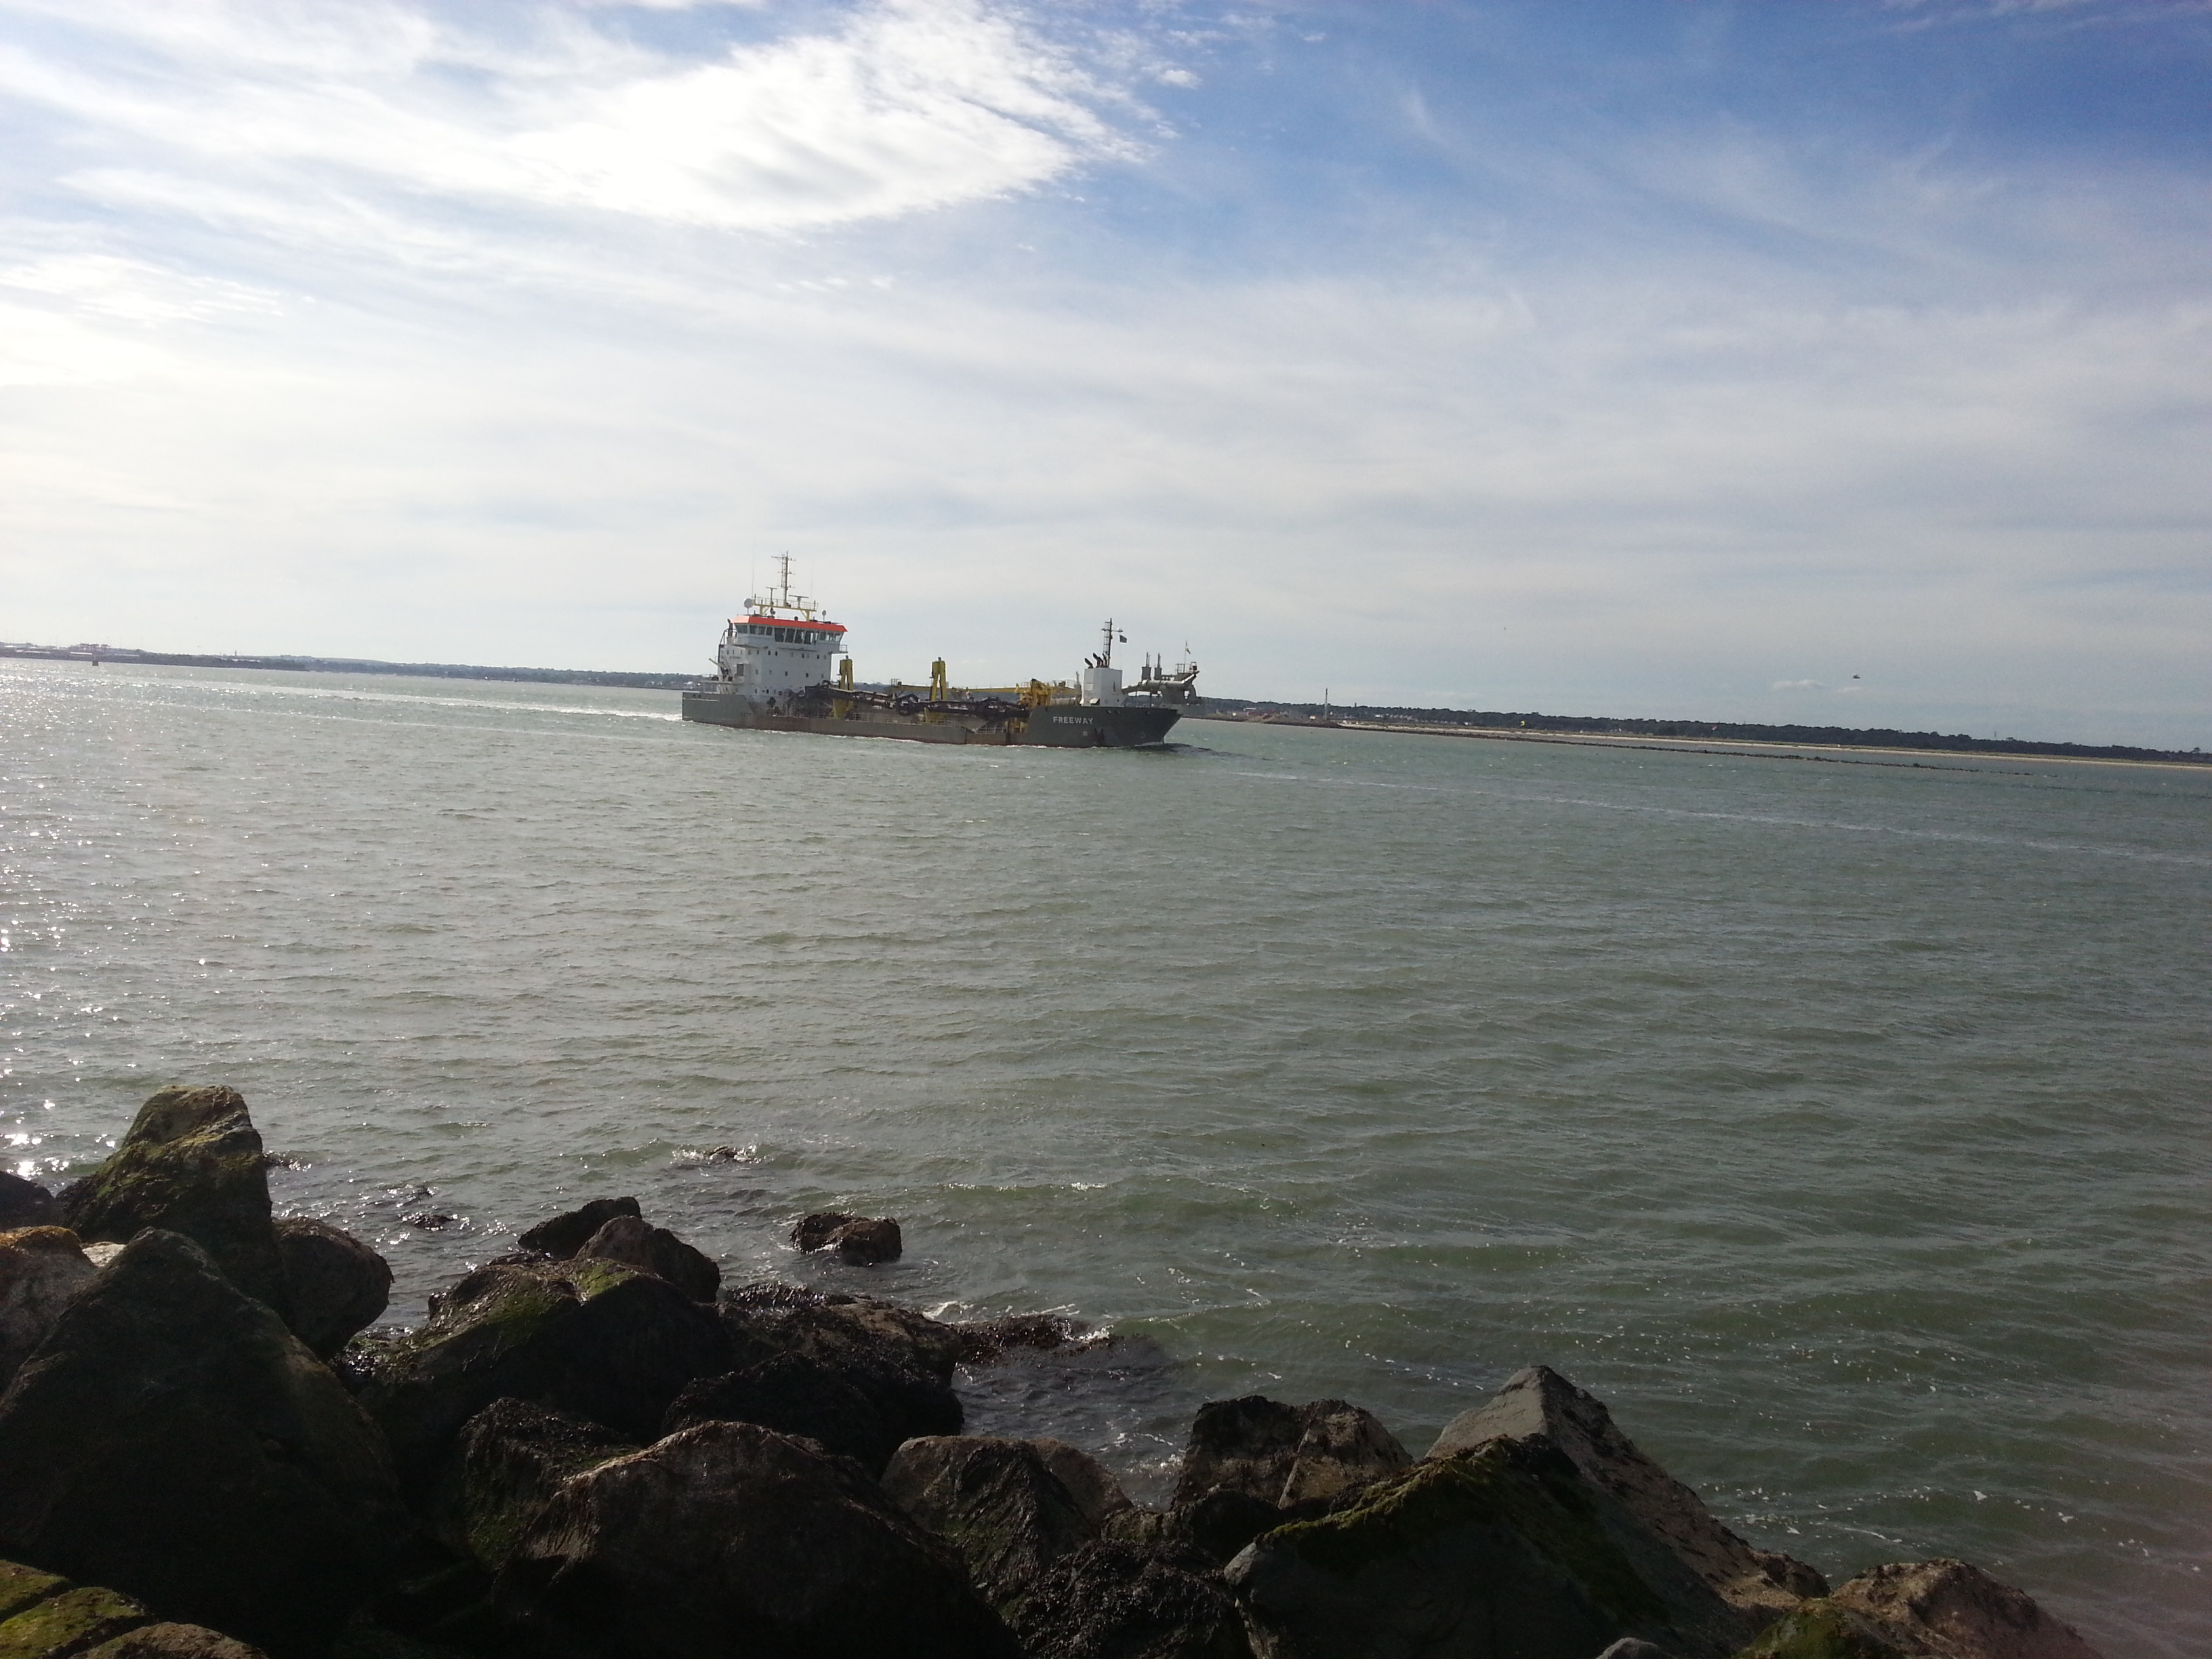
(1841, 1122)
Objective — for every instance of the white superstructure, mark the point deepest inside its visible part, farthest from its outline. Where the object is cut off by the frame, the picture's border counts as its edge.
(782, 646)
(1101, 681)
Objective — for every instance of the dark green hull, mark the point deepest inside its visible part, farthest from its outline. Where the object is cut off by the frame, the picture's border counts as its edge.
(1060, 725)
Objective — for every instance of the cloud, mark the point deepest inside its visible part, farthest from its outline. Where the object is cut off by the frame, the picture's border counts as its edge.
(902, 107)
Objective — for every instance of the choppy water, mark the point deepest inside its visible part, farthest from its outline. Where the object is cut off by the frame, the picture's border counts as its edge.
(1842, 1125)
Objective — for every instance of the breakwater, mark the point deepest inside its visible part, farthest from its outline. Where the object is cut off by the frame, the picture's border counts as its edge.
(591, 1449)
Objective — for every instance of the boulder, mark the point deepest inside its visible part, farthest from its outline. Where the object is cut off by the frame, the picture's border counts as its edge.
(796, 1395)
(565, 1235)
(1318, 1452)
(983, 1340)
(511, 1458)
(68, 1622)
(1538, 1403)
(1959, 1611)
(811, 1232)
(191, 1162)
(171, 1642)
(338, 1286)
(1507, 1551)
(859, 1241)
(901, 1359)
(1215, 1527)
(41, 1269)
(1115, 1600)
(1820, 1629)
(172, 1439)
(1630, 1648)
(731, 1539)
(26, 1204)
(1089, 1482)
(628, 1238)
(22, 1586)
(995, 1502)
(834, 1322)
(595, 1338)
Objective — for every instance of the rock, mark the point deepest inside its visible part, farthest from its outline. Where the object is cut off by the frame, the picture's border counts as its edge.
(171, 1642)
(1117, 1601)
(867, 1243)
(1790, 1574)
(996, 1502)
(191, 1162)
(68, 1622)
(511, 1457)
(730, 1539)
(22, 1586)
(811, 1232)
(594, 1337)
(859, 1241)
(796, 1395)
(1506, 1550)
(338, 1286)
(902, 1360)
(1959, 1611)
(1089, 1482)
(565, 1235)
(628, 1238)
(172, 1439)
(437, 1599)
(1215, 1527)
(1284, 1455)
(363, 1640)
(1822, 1630)
(41, 1269)
(1538, 1403)
(26, 1204)
(983, 1340)
(833, 1324)
(1629, 1647)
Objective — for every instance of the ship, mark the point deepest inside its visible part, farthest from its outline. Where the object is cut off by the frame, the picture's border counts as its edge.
(783, 666)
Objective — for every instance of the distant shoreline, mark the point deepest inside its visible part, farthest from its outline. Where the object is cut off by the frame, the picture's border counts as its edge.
(1718, 736)
(1757, 748)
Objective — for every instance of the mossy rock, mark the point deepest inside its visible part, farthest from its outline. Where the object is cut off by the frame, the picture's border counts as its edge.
(1507, 1551)
(512, 1456)
(594, 1337)
(191, 1163)
(170, 1439)
(1822, 1630)
(69, 1622)
(172, 1642)
(22, 1586)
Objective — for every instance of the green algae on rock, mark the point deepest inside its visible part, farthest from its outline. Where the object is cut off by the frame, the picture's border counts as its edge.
(1823, 1630)
(68, 1622)
(604, 1340)
(1506, 1551)
(512, 1456)
(729, 1539)
(170, 1439)
(191, 1162)
(994, 1501)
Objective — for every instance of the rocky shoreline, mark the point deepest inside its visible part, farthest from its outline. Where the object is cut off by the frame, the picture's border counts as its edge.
(591, 1449)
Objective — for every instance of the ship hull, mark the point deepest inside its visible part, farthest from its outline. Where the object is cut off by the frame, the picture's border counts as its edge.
(1066, 726)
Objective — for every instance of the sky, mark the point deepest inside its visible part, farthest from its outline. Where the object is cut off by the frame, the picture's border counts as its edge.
(1846, 362)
